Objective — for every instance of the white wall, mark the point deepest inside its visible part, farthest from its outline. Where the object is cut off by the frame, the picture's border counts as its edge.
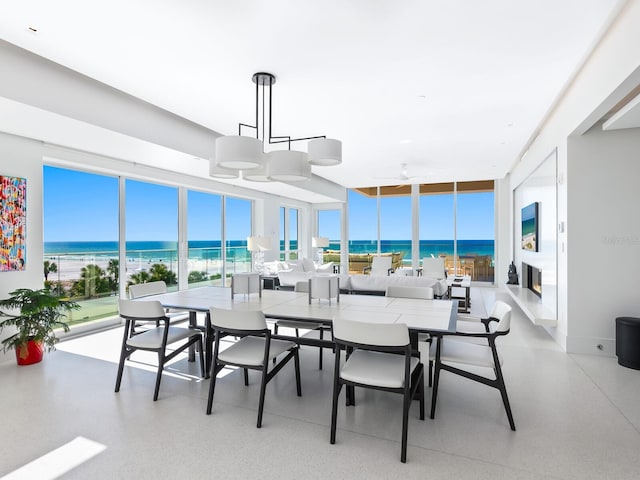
(604, 241)
(20, 157)
(610, 74)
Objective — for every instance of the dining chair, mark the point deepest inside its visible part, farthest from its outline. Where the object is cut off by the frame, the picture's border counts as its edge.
(156, 339)
(313, 328)
(425, 293)
(254, 351)
(378, 357)
(140, 290)
(450, 350)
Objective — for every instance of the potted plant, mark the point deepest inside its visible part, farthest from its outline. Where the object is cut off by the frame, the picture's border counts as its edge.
(41, 312)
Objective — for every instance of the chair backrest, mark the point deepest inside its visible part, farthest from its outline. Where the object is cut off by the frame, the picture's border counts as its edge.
(501, 312)
(380, 265)
(245, 283)
(249, 320)
(367, 333)
(150, 310)
(397, 291)
(145, 289)
(433, 267)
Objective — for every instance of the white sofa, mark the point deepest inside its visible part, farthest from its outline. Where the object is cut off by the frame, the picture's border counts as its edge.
(377, 284)
(292, 272)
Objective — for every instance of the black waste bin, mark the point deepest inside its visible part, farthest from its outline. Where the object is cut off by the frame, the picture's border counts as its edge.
(628, 341)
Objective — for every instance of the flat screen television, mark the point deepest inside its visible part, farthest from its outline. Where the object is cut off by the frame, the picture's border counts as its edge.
(530, 227)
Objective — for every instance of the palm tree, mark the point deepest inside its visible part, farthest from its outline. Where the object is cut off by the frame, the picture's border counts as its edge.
(113, 269)
(159, 271)
(91, 282)
(49, 267)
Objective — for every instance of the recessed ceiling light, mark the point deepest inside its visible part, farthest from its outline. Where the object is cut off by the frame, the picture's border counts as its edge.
(406, 141)
(32, 29)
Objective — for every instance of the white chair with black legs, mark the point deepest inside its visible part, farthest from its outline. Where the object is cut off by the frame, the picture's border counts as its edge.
(254, 351)
(319, 328)
(380, 358)
(451, 353)
(379, 266)
(156, 339)
(424, 293)
(140, 290)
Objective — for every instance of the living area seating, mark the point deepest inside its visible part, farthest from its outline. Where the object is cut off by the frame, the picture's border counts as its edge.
(379, 266)
(380, 359)
(246, 283)
(450, 350)
(433, 267)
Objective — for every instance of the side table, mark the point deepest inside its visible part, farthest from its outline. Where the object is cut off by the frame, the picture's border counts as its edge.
(270, 282)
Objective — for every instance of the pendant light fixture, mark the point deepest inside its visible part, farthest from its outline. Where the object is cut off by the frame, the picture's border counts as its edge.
(235, 153)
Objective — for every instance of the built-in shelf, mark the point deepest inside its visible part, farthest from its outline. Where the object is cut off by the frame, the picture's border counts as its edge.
(532, 306)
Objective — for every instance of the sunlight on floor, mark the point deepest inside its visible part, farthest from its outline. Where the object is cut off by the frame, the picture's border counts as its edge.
(59, 461)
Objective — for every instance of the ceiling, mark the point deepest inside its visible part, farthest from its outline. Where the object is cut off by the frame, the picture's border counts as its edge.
(453, 89)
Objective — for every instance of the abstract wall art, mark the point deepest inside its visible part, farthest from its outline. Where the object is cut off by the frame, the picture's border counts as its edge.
(13, 223)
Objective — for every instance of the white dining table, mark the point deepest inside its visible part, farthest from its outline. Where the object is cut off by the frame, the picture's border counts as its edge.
(420, 315)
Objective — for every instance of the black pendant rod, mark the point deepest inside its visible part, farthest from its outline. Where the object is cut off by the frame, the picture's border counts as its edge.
(261, 78)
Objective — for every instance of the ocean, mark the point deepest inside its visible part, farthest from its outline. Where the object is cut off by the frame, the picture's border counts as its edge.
(203, 249)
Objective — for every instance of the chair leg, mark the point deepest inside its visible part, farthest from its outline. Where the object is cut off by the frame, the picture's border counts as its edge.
(320, 355)
(503, 392)
(296, 362)
(246, 377)
(212, 386)
(430, 372)
(159, 375)
(337, 386)
(263, 387)
(123, 355)
(434, 393)
(406, 403)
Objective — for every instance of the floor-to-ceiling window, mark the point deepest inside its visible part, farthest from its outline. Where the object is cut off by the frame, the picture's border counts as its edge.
(363, 228)
(204, 233)
(436, 222)
(395, 223)
(455, 221)
(80, 216)
(289, 233)
(475, 230)
(237, 228)
(151, 232)
(329, 227)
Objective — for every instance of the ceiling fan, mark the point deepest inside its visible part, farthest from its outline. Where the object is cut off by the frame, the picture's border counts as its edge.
(403, 176)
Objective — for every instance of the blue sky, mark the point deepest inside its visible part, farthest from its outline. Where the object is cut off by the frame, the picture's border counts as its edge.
(80, 206)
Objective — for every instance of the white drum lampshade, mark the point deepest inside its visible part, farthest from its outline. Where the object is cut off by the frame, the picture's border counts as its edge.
(220, 172)
(258, 244)
(288, 166)
(319, 242)
(256, 174)
(325, 152)
(239, 152)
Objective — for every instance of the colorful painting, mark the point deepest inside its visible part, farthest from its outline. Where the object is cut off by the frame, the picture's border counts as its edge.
(13, 223)
(530, 227)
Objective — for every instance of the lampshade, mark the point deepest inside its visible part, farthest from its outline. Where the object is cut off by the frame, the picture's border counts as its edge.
(258, 244)
(288, 166)
(220, 172)
(319, 242)
(325, 152)
(235, 151)
(256, 174)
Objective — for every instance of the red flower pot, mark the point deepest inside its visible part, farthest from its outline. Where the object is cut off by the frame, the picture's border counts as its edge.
(29, 353)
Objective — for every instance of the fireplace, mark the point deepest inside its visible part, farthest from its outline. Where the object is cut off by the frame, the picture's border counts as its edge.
(532, 278)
